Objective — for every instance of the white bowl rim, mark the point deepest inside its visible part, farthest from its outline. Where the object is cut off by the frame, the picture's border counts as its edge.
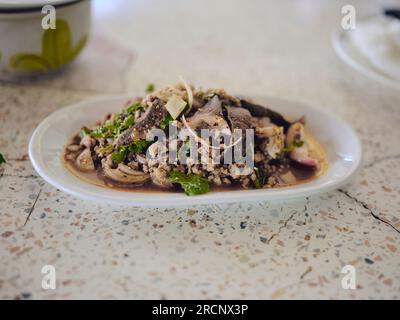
(16, 5)
(337, 36)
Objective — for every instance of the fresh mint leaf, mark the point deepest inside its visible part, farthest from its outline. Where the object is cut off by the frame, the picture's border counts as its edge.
(128, 122)
(120, 155)
(120, 122)
(141, 145)
(190, 183)
(134, 107)
(123, 151)
(165, 123)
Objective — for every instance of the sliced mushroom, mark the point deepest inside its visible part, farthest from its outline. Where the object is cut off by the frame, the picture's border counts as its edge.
(301, 155)
(124, 175)
(84, 161)
(73, 148)
(260, 111)
(141, 159)
(159, 177)
(70, 156)
(87, 141)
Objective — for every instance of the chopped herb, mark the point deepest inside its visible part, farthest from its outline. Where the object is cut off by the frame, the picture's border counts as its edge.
(99, 132)
(120, 155)
(84, 132)
(120, 122)
(141, 145)
(128, 122)
(150, 88)
(165, 123)
(298, 144)
(291, 146)
(123, 152)
(134, 107)
(2, 159)
(190, 183)
(261, 178)
(106, 148)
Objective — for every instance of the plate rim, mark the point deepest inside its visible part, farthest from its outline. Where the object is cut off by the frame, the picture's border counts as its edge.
(143, 199)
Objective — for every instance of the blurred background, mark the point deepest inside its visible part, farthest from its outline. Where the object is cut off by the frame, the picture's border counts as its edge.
(254, 45)
(275, 47)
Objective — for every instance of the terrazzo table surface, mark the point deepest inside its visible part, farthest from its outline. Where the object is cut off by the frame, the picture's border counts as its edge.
(291, 249)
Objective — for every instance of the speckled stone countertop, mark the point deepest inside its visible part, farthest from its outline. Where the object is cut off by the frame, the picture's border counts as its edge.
(292, 249)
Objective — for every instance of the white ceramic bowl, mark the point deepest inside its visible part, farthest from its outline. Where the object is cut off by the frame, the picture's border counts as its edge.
(26, 48)
(341, 143)
(347, 51)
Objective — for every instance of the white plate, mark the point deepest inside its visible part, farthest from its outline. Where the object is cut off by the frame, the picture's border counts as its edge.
(350, 55)
(46, 144)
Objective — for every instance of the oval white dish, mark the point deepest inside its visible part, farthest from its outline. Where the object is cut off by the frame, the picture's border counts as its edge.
(342, 145)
